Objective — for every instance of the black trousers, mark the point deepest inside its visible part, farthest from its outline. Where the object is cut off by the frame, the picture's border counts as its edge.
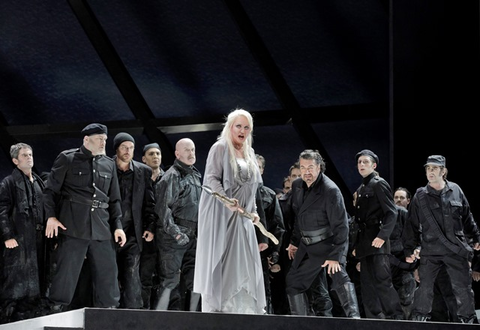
(175, 260)
(128, 260)
(460, 275)
(148, 271)
(379, 297)
(70, 255)
(301, 275)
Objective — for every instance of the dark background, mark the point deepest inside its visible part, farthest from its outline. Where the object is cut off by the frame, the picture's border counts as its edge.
(398, 77)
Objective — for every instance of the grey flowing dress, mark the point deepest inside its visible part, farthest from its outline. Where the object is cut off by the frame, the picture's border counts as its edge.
(228, 269)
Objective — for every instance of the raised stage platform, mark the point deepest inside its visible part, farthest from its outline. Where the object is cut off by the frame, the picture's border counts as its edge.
(127, 319)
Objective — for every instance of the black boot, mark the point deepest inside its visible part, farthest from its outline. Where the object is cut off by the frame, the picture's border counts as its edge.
(194, 300)
(420, 317)
(163, 299)
(468, 319)
(269, 307)
(321, 303)
(54, 309)
(298, 304)
(348, 300)
(407, 311)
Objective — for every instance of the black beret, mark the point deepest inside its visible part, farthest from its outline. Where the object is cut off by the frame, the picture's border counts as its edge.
(435, 160)
(366, 152)
(120, 138)
(150, 146)
(94, 128)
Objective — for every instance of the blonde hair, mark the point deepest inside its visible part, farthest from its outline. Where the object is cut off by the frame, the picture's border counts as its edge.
(226, 135)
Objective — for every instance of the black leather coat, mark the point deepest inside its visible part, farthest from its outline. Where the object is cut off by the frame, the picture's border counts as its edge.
(324, 207)
(21, 267)
(177, 195)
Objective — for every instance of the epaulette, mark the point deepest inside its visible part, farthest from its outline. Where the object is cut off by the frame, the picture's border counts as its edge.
(69, 151)
(269, 190)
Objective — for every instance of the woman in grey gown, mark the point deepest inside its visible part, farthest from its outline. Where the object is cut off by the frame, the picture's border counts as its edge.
(228, 269)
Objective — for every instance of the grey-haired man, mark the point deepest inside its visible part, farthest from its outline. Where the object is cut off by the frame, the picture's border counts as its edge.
(82, 205)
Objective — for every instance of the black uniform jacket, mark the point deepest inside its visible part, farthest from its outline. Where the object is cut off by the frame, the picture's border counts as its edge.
(77, 183)
(324, 207)
(451, 210)
(376, 215)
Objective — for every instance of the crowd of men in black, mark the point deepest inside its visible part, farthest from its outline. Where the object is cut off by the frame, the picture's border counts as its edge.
(112, 232)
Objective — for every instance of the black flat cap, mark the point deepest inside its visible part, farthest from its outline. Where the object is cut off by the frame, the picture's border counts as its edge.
(122, 137)
(366, 152)
(438, 160)
(94, 128)
(150, 146)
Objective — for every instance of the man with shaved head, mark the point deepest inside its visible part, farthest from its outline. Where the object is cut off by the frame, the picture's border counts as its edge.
(177, 195)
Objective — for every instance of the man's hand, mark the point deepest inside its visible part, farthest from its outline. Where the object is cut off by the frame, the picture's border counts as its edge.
(182, 239)
(333, 266)
(148, 236)
(413, 257)
(476, 276)
(378, 242)
(292, 249)
(120, 237)
(262, 246)
(52, 227)
(11, 243)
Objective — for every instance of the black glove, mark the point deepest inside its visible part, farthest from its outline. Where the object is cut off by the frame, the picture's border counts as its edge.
(274, 258)
(183, 240)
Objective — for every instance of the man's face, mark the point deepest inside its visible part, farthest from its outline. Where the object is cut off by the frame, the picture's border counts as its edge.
(125, 151)
(153, 158)
(185, 152)
(310, 170)
(294, 174)
(287, 186)
(24, 160)
(96, 143)
(260, 166)
(434, 173)
(365, 165)
(400, 198)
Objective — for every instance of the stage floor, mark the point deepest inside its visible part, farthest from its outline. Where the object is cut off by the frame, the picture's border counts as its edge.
(127, 319)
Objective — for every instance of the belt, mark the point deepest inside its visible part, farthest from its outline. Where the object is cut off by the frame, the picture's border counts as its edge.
(370, 223)
(96, 204)
(186, 223)
(315, 236)
(99, 204)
